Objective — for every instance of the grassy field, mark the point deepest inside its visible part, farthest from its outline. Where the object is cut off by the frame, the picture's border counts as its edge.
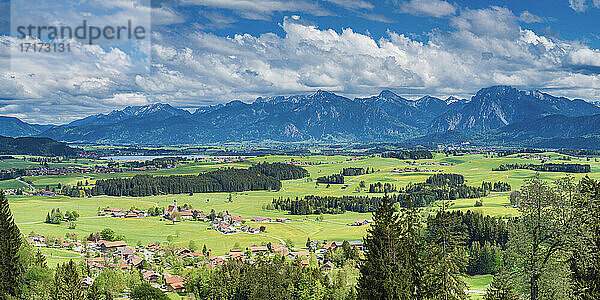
(30, 211)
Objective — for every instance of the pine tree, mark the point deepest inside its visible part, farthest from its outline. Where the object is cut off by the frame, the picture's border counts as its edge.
(40, 259)
(380, 269)
(447, 256)
(67, 283)
(11, 268)
(94, 293)
(501, 288)
(411, 251)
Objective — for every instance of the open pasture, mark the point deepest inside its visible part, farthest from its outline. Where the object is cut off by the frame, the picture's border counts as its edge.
(30, 211)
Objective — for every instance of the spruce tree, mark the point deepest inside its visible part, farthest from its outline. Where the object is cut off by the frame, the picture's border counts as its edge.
(11, 268)
(447, 256)
(411, 252)
(67, 283)
(40, 259)
(501, 288)
(380, 270)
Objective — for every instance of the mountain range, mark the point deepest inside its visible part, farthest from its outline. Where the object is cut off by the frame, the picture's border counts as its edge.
(494, 115)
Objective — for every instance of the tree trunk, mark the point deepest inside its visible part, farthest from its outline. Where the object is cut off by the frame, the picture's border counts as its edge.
(534, 287)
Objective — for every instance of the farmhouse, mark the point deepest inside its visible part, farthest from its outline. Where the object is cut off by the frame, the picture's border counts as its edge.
(328, 266)
(255, 248)
(360, 222)
(175, 283)
(150, 276)
(106, 246)
(258, 219)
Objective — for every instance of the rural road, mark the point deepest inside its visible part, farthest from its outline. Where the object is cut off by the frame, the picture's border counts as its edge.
(476, 292)
(31, 187)
(273, 237)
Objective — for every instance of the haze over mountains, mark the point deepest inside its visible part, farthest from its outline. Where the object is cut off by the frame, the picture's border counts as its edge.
(497, 114)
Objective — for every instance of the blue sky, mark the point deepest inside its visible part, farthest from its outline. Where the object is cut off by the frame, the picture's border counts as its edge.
(213, 51)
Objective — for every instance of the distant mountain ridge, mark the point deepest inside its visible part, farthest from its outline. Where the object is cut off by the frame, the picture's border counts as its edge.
(498, 106)
(493, 114)
(13, 127)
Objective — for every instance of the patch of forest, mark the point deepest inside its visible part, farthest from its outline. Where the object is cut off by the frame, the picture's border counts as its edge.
(35, 146)
(259, 177)
(412, 154)
(434, 188)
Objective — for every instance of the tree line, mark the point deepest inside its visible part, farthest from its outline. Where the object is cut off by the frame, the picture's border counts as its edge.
(435, 188)
(224, 180)
(331, 179)
(549, 167)
(411, 154)
(280, 171)
(356, 171)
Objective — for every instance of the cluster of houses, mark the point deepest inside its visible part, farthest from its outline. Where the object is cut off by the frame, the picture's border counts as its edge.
(360, 222)
(123, 213)
(103, 254)
(534, 156)
(416, 170)
(435, 163)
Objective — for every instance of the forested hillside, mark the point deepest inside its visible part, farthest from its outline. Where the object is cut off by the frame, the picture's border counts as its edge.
(35, 146)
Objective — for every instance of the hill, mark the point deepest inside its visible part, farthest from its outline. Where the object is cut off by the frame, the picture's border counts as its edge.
(35, 146)
(13, 127)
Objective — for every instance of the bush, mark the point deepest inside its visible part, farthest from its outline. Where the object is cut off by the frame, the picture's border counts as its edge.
(145, 291)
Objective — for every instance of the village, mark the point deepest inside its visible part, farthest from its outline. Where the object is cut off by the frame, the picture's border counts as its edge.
(151, 260)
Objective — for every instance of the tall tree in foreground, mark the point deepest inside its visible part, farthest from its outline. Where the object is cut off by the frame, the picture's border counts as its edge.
(67, 283)
(380, 270)
(447, 256)
(539, 239)
(11, 268)
(584, 260)
(501, 288)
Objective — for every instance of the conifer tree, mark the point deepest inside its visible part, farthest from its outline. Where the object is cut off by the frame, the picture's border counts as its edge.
(11, 268)
(412, 251)
(67, 283)
(94, 293)
(501, 288)
(40, 259)
(447, 256)
(380, 269)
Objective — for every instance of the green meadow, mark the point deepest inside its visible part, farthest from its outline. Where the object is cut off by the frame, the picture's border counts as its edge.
(29, 211)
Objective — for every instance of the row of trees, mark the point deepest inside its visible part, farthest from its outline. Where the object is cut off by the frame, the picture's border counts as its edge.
(549, 167)
(268, 278)
(356, 171)
(412, 154)
(436, 187)
(331, 179)
(498, 186)
(379, 187)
